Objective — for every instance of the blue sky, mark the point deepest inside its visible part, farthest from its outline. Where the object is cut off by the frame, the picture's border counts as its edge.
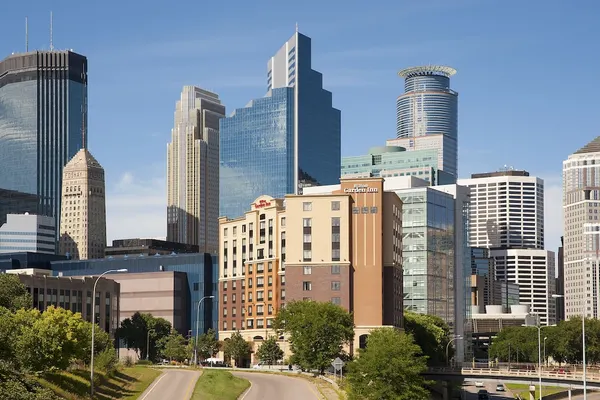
(526, 77)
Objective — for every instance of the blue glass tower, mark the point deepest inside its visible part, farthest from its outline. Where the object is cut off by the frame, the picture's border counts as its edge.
(289, 139)
(43, 117)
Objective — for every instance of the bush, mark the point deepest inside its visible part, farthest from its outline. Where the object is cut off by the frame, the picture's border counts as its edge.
(107, 361)
(144, 362)
(128, 361)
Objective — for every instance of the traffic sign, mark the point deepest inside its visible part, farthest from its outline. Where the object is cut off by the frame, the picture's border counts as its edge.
(338, 364)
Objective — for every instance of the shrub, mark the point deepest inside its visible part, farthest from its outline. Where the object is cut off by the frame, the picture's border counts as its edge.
(128, 361)
(107, 361)
(144, 362)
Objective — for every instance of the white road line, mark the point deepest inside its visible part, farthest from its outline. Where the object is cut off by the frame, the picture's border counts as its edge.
(246, 392)
(154, 385)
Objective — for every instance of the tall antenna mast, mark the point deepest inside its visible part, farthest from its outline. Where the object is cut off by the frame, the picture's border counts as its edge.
(51, 43)
(26, 35)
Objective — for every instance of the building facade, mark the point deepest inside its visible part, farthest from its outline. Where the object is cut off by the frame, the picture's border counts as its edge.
(13, 202)
(193, 170)
(146, 247)
(289, 139)
(560, 281)
(28, 233)
(83, 220)
(429, 107)
(43, 120)
(389, 161)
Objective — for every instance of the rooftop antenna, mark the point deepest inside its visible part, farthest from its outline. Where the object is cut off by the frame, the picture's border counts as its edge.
(51, 43)
(296, 27)
(26, 35)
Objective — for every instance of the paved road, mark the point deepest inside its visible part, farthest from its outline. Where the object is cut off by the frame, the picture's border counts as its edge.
(277, 387)
(471, 390)
(173, 385)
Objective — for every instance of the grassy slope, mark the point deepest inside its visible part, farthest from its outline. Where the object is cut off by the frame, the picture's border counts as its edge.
(219, 385)
(128, 384)
(523, 389)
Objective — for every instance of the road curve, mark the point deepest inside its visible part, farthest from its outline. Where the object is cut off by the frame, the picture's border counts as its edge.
(172, 384)
(277, 387)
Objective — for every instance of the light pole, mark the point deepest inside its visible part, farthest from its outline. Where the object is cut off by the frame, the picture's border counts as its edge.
(148, 344)
(539, 328)
(558, 296)
(448, 347)
(94, 325)
(545, 362)
(197, 323)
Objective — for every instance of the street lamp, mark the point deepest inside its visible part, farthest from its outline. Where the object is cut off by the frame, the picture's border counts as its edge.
(148, 344)
(94, 324)
(545, 362)
(558, 296)
(197, 320)
(448, 347)
(539, 328)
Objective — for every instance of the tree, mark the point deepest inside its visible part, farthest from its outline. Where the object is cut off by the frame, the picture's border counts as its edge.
(317, 332)
(237, 348)
(431, 333)
(520, 342)
(269, 351)
(389, 368)
(13, 294)
(134, 331)
(208, 345)
(175, 347)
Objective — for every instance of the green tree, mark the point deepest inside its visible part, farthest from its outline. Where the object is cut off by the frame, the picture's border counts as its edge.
(269, 351)
(521, 342)
(134, 331)
(175, 347)
(208, 345)
(13, 294)
(431, 333)
(8, 328)
(317, 332)
(389, 368)
(237, 348)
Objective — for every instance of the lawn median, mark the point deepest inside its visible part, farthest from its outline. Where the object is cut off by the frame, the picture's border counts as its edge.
(219, 385)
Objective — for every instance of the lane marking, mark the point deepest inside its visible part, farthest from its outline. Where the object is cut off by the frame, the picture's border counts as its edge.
(247, 390)
(312, 389)
(154, 385)
(191, 386)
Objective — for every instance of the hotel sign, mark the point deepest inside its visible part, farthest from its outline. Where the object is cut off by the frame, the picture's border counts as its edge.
(361, 188)
(262, 203)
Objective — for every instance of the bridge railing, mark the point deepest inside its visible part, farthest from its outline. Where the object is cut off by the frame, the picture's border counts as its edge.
(571, 376)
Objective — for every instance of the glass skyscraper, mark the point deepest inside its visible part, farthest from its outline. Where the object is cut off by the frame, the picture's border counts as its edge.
(43, 119)
(429, 107)
(289, 139)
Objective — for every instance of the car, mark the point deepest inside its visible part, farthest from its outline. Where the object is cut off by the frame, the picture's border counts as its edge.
(483, 395)
(500, 387)
(478, 384)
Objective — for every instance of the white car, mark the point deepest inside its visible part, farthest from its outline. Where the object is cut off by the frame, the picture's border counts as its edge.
(478, 384)
(257, 366)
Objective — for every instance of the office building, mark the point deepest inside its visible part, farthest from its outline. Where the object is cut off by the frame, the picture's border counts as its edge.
(507, 210)
(13, 202)
(25, 260)
(581, 202)
(487, 325)
(83, 220)
(560, 281)
(287, 140)
(75, 294)
(146, 247)
(43, 120)
(152, 284)
(314, 247)
(193, 170)
(429, 107)
(389, 161)
(483, 272)
(28, 233)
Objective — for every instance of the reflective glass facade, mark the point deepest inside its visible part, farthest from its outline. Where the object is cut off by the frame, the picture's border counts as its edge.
(202, 273)
(282, 142)
(43, 117)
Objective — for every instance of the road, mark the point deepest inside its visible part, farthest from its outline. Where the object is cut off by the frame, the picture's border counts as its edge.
(471, 391)
(277, 387)
(173, 384)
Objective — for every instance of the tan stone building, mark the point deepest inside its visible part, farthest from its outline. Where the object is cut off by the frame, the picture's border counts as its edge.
(83, 209)
(343, 247)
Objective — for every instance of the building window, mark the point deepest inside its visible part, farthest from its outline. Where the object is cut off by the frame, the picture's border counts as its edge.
(307, 238)
(307, 206)
(233, 325)
(270, 281)
(196, 286)
(234, 230)
(306, 299)
(224, 325)
(260, 268)
(307, 270)
(355, 210)
(335, 205)
(260, 310)
(282, 294)
(224, 312)
(373, 210)
(335, 285)
(335, 269)
(234, 285)
(225, 232)
(335, 255)
(283, 222)
(260, 281)
(224, 286)
(307, 255)
(270, 295)
(233, 311)
(270, 266)
(270, 309)
(233, 298)
(224, 299)
(365, 210)
(260, 295)
(306, 286)
(259, 324)
(336, 300)
(249, 310)
(250, 324)
(307, 222)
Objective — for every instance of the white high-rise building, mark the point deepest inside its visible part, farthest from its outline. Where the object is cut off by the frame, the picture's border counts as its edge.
(28, 233)
(581, 205)
(507, 210)
(193, 170)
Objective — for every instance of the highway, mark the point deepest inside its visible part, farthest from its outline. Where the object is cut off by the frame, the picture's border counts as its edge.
(173, 384)
(278, 387)
(471, 391)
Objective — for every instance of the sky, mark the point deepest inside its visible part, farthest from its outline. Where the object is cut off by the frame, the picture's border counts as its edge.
(524, 100)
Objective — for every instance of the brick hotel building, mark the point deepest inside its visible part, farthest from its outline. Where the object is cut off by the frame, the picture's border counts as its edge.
(344, 247)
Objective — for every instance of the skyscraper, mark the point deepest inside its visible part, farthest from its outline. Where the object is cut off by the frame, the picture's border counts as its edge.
(429, 107)
(581, 204)
(193, 170)
(289, 139)
(43, 117)
(83, 219)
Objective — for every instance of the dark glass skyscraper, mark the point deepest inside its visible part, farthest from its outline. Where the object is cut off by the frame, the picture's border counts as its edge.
(43, 117)
(289, 139)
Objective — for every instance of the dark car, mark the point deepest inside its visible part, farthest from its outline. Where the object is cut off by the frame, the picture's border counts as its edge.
(483, 395)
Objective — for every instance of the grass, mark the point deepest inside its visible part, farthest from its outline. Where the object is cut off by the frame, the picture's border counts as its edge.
(219, 385)
(126, 384)
(523, 390)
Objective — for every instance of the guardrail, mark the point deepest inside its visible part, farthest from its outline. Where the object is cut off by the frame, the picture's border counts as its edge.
(567, 376)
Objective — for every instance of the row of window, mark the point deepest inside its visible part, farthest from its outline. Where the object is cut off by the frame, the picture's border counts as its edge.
(335, 270)
(307, 286)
